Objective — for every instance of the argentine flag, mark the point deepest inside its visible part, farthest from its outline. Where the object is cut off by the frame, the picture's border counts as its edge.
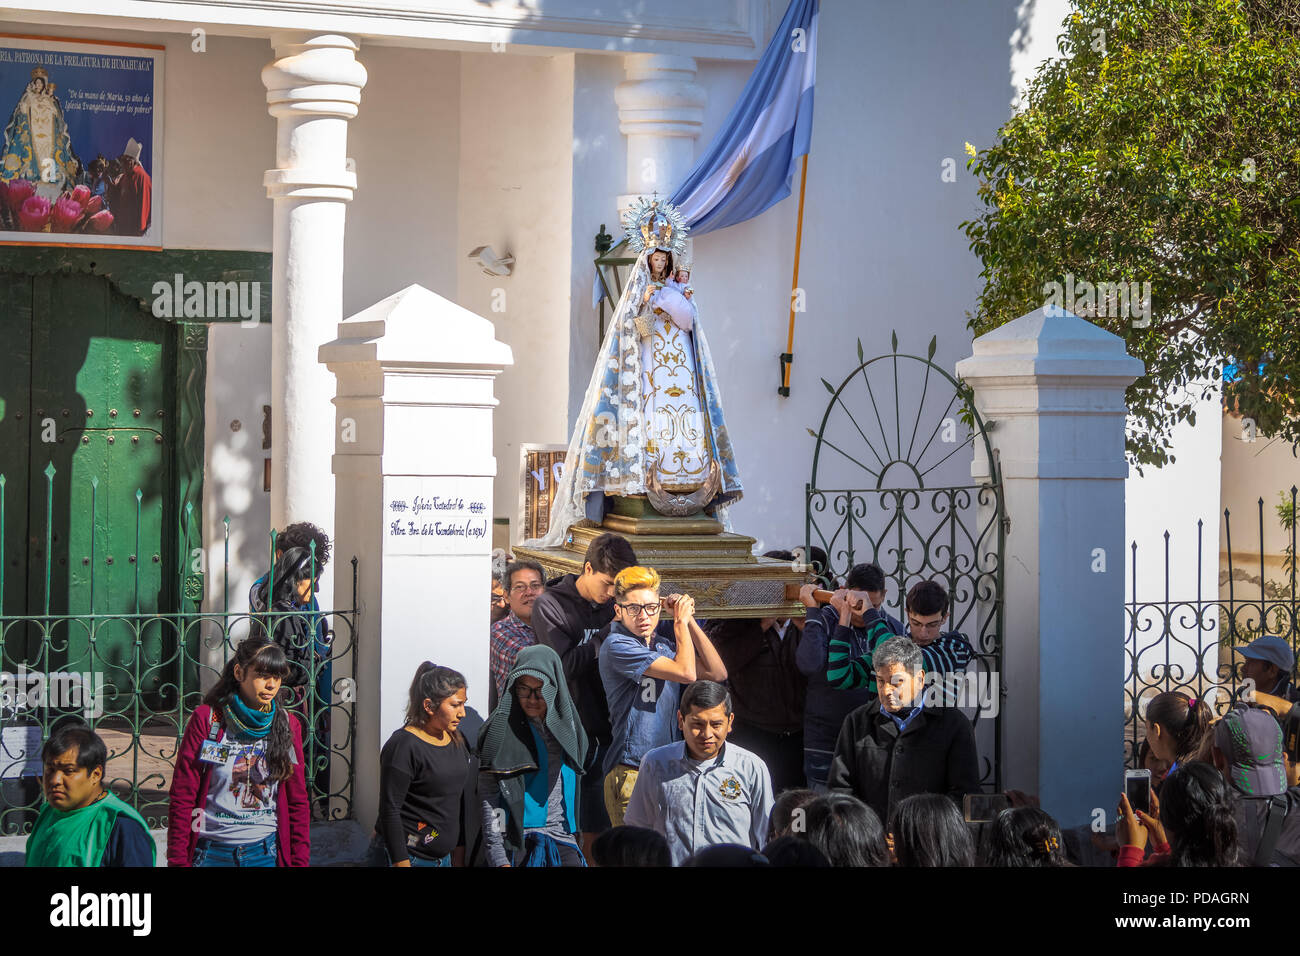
(751, 163)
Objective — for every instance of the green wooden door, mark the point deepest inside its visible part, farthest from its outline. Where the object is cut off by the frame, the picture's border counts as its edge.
(15, 424)
(91, 535)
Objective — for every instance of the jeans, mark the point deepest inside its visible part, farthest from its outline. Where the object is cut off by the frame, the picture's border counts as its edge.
(816, 768)
(591, 793)
(211, 853)
(379, 855)
(569, 856)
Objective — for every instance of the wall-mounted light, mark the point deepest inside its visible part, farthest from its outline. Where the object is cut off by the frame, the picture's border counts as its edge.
(491, 263)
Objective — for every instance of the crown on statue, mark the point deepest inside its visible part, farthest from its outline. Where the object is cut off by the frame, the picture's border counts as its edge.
(654, 223)
(40, 73)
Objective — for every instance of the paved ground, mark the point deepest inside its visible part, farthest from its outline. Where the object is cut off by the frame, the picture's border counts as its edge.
(338, 843)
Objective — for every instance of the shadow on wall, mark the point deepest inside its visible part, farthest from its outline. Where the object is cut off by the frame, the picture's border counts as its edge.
(239, 387)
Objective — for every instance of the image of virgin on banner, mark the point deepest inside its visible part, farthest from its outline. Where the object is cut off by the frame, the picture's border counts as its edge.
(81, 156)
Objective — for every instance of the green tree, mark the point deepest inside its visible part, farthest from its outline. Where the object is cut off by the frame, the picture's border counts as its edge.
(1164, 146)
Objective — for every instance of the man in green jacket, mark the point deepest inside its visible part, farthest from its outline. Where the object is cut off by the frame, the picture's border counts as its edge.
(82, 824)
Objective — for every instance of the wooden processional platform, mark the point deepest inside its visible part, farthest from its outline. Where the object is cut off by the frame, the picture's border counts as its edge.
(692, 555)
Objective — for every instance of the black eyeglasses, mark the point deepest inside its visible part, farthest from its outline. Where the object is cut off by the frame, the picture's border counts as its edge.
(634, 610)
(524, 692)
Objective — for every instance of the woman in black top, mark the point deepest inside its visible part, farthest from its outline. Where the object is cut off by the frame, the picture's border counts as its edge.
(428, 779)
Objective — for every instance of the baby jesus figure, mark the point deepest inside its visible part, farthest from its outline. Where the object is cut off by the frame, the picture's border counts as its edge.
(682, 280)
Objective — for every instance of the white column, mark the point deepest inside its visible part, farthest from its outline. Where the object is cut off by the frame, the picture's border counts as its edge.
(660, 110)
(414, 470)
(1053, 386)
(313, 88)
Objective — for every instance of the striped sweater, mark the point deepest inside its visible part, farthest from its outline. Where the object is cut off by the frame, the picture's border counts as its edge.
(948, 653)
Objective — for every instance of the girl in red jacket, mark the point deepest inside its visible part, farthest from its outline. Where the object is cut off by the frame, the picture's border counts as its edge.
(239, 794)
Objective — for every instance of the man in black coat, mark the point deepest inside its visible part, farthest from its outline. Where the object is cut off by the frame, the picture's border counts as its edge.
(897, 745)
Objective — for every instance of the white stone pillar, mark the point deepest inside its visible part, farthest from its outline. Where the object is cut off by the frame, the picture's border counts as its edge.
(313, 87)
(1053, 385)
(660, 111)
(413, 469)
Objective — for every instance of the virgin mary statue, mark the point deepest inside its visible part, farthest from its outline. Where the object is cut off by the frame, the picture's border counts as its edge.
(651, 422)
(36, 143)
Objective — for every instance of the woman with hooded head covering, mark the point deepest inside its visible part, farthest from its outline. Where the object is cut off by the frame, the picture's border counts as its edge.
(281, 601)
(530, 755)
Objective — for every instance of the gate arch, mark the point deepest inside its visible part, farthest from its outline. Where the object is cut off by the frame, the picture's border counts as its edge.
(883, 494)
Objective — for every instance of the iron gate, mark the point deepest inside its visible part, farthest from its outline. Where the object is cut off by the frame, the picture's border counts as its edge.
(872, 497)
(134, 665)
(1181, 638)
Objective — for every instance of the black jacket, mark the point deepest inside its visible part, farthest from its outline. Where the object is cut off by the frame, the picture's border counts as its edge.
(936, 754)
(574, 627)
(766, 686)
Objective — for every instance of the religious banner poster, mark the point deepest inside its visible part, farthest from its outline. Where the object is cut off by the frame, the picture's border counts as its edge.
(81, 159)
(540, 470)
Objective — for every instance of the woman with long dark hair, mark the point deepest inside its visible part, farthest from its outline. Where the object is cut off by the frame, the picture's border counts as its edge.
(845, 830)
(1177, 728)
(1195, 808)
(927, 830)
(239, 794)
(428, 779)
(1025, 836)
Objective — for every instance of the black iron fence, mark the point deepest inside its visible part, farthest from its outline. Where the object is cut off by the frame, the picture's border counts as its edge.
(133, 663)
(1180, 640)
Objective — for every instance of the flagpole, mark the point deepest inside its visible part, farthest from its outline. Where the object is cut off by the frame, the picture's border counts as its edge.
(788, 355)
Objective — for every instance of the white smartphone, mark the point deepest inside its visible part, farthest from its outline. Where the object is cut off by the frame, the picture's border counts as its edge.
(1137, 785)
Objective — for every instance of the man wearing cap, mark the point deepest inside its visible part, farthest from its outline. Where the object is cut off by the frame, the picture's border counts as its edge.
(1268, 662)
(130, 193)
(1247, 750)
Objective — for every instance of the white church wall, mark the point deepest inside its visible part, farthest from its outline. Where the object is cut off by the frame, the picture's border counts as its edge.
(899, 88)
(402, 221)
(1254, 466)
(515, 194)
(598, 176)
(238, 386)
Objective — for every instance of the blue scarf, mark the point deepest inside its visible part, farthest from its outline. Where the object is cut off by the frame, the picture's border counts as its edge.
(246, 722)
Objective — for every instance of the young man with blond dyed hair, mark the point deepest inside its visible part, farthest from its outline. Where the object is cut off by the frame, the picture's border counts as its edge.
(643, 665)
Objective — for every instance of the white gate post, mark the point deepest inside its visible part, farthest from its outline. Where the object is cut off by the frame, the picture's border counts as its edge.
(413, 467)
(1053, 387)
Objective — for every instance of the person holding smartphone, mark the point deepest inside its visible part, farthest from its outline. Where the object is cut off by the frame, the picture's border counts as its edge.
(1197, 811)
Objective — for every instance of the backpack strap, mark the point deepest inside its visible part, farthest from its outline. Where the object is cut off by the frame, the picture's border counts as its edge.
(1276, 815)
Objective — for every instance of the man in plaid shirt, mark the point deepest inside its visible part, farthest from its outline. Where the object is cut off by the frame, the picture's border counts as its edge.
(524, 581)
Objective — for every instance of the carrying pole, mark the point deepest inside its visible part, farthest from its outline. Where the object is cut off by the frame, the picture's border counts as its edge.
(788, 355)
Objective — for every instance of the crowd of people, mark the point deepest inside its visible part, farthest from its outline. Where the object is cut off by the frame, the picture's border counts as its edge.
(625, 732)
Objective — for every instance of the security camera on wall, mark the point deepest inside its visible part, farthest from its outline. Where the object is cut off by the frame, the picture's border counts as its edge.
(492, 264)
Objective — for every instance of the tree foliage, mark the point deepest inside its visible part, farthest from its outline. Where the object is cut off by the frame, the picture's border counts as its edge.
(1164, 146)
